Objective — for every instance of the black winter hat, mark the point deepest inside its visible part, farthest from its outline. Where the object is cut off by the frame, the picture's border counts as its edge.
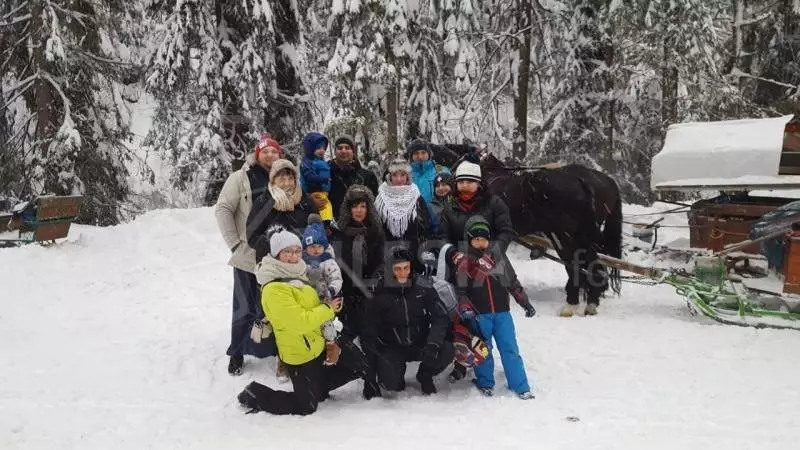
(345, 139)
(442, 177)
(399, 254)
(416, 145)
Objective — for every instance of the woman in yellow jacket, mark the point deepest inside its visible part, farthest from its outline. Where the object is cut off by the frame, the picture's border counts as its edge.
(296, 314)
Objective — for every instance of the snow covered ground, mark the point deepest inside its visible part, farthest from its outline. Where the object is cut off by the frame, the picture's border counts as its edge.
(116, 339)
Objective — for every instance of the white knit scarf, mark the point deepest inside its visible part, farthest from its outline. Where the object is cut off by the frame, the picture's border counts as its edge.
(397, 207)
(271, 269)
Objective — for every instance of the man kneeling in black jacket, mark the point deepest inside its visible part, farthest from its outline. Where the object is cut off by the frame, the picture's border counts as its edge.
(405, 322)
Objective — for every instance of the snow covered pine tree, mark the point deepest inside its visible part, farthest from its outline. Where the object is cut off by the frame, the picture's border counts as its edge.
(64, 117)
(224, 73)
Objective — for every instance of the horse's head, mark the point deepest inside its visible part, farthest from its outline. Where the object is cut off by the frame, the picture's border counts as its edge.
(489, 161)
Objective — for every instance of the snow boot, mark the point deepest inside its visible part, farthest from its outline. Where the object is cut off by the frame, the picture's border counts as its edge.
(332, 353)
(281, 374)
(485, 391)
(426, 383)
(567, 311)
(458, 373)
(248, 401)
(528, 395)
(590, 310)
(235, 365)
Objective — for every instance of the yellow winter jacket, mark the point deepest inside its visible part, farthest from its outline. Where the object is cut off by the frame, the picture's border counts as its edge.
(296, 315)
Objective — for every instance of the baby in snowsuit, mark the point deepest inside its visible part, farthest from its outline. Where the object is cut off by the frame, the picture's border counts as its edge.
(482, 289)
(325, 276)
(315, 173)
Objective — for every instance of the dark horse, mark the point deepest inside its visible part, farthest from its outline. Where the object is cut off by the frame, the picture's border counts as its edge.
(577, 208)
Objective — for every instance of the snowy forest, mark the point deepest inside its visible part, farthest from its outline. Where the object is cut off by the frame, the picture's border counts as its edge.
(538, 81)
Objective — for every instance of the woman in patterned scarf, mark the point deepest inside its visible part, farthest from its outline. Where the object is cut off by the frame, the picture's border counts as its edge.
(401, 208)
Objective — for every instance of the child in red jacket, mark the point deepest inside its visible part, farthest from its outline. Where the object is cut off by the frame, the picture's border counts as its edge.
(482, 287)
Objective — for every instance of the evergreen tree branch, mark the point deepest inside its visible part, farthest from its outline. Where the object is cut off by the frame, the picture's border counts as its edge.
(16, 20)
(14, 11)
(739, 73)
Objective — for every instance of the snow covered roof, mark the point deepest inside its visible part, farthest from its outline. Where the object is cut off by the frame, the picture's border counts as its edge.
(726, 155)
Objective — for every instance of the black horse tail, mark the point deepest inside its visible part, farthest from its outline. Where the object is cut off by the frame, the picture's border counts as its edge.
(612, 240)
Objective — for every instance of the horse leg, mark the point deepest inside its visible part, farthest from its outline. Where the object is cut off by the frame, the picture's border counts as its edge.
(595, 280)
(572, 288)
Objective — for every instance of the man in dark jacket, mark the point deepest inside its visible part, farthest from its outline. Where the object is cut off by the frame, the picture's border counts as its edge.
(405, 321)
(472, 198)
(347, 171)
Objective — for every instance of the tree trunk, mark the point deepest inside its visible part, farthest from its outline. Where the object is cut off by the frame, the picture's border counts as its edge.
(669, 87)
(42, 91)
(391, 122)
(790, 18)
(738, 17)
(524, 20)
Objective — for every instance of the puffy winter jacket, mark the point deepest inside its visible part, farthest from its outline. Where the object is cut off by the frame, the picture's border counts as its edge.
(324, 274)
(263, 215)
(315, 173)
(405, 315)
(359, 257)
(231, 211)
(492, 208)
(296, 315)
(489, 295)
(437, 208)
(423, 173)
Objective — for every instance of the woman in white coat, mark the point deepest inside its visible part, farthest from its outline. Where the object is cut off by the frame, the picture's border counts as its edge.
(232, 208)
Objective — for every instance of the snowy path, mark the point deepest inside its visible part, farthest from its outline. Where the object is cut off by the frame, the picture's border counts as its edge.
(116, 339)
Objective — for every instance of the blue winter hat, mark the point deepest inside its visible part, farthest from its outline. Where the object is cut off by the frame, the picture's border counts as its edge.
(313, 141)
(315, 232)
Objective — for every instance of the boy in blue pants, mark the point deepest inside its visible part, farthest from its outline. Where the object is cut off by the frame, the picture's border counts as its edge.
(483, 286)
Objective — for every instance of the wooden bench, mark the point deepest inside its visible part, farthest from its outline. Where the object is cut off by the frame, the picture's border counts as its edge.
(43, 219)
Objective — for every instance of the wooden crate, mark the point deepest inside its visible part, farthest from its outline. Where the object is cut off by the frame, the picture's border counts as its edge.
(714, 225)
(791, 266)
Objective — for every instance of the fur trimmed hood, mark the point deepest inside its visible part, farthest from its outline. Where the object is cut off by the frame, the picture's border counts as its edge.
(358, 193)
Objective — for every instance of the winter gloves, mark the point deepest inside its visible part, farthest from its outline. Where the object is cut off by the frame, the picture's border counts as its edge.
(522, 300)
(466, 312)
(530, 311)
(477, 269)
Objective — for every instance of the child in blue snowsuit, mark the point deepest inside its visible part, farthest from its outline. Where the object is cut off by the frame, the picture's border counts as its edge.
(315, 173)
(482, 285)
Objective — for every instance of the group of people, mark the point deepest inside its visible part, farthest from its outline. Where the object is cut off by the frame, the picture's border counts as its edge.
(344, 278)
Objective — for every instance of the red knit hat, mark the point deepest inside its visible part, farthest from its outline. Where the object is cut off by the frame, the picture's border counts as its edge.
(265, 142)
